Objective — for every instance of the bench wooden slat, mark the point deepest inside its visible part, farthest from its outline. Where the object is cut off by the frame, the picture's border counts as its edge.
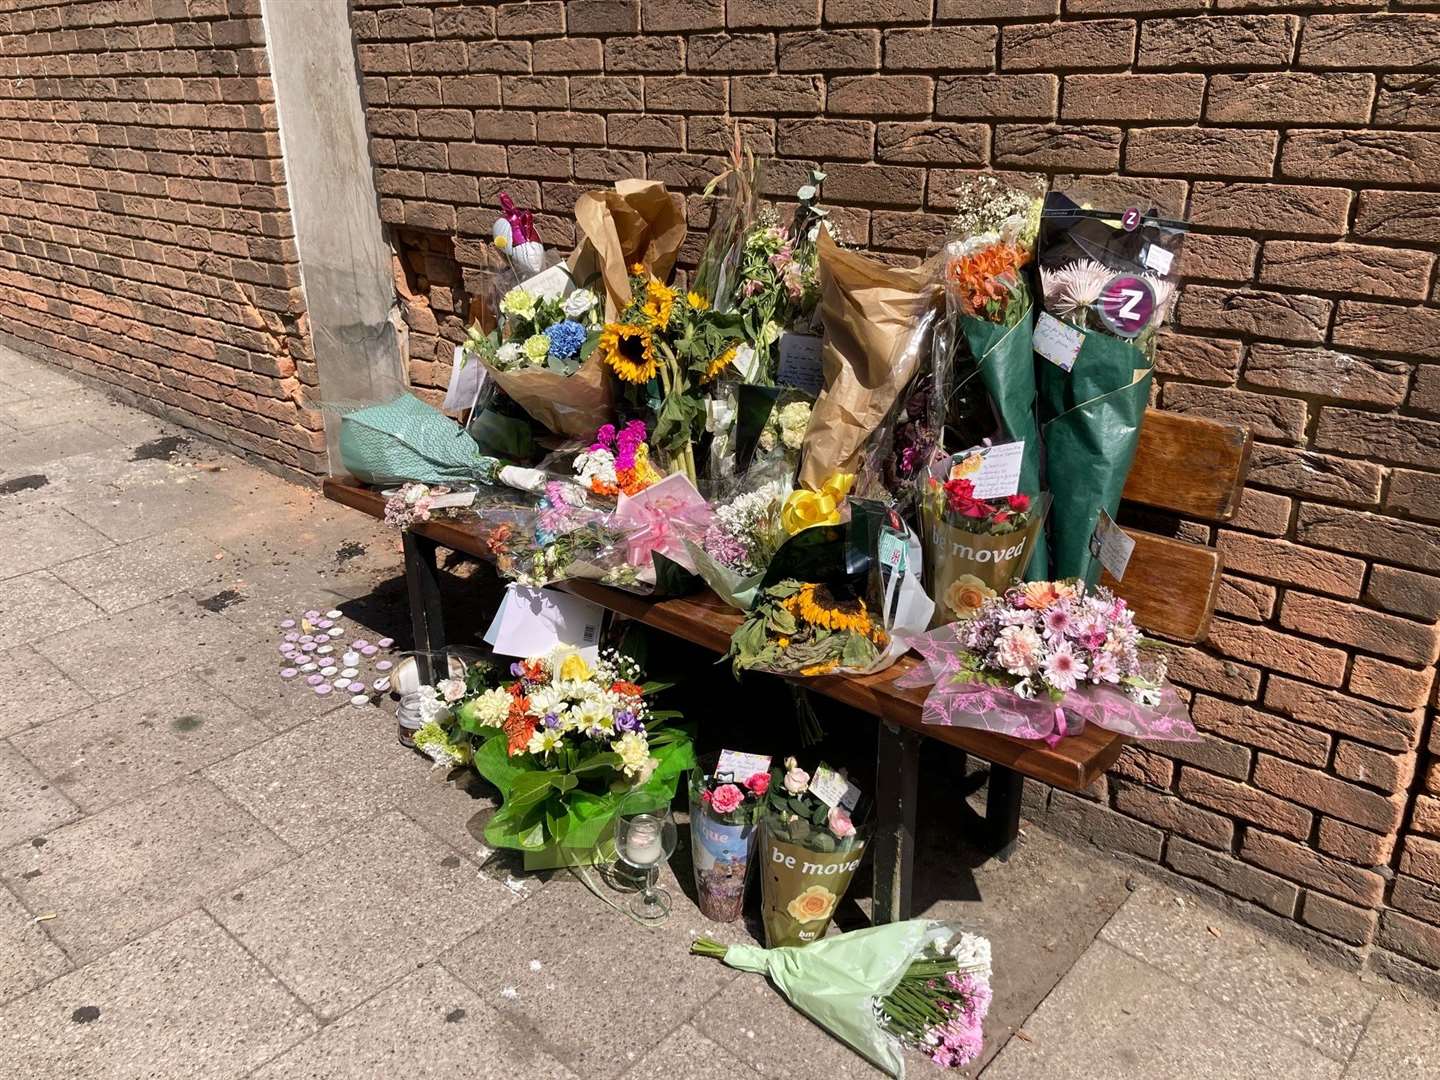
(1171, 585)
(1189, 465)
(705, 620)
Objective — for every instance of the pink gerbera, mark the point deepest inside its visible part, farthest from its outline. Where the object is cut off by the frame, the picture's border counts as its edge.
(1057, 621)
(1064, 669)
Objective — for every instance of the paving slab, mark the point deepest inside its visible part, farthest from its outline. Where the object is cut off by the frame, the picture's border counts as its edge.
(117, 653)
(27, 957)
(324, 777)
(580, 1005)
(30, 805)
(1262, 978)
(429, 1024)
(71, 481)
(248, 675)
(1401, 1042)
(45, 538)
(146, 570)
(144, 509)
(1114, 1017)
(685, 1054)
(30, 449)
(60, 402)
(118, 749)
(117, 875)
(184, 1001)
(454, 805)
(35, 690)
(346, 920)
(36, 605)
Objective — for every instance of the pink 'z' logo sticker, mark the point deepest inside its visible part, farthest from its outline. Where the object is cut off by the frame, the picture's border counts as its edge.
(1127, 304)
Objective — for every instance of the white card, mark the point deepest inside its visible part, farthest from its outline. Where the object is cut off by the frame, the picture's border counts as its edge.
(800, 364)
(1159, 259)
(533, 622)
(549, 284)
(467, 376)
(1112, 545)
(833, 789)
(999, 474)
(740, 766)
(1057, 341)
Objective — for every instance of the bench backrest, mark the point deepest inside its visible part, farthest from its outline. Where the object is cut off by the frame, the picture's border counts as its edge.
(1194, 468)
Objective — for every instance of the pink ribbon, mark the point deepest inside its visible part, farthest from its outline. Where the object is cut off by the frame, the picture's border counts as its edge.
(663, 525)
(1060, 728)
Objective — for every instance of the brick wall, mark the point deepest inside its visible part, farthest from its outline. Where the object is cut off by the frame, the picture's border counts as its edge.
(145, 240)
(1303, 143)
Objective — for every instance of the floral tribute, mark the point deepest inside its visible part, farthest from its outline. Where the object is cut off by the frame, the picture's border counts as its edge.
(801, 628)
(411, 505)
(1042, 660)
(557, 333)
(563, 740)
(617, 462)
(747, 531)
(938, 1007)
(561, 536)
(996, 227)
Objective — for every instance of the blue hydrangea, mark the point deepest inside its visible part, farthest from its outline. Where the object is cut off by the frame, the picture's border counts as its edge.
(565, 339)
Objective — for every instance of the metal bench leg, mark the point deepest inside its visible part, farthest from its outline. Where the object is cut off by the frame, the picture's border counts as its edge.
(422, 577)
(897, 772)
(1002, 811)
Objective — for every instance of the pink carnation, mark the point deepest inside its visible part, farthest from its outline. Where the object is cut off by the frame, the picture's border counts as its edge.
(727, 797)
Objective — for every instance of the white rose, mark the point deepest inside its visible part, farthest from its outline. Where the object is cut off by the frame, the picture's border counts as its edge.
(578, 303)
(509, 354)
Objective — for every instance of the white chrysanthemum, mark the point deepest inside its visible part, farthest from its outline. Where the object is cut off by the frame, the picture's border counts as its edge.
(546, 700)
(634, 753)
(492, 707)
(972, 954)
(794, 420)
(544, 741)
(592, 714)
(509, 355)
(432, 707)
(1075, 285)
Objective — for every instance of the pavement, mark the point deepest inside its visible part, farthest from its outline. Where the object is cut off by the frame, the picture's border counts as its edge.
(207, 872)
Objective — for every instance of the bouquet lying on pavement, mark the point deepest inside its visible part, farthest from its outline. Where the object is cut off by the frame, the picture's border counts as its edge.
(1044, 659)
(913, 983)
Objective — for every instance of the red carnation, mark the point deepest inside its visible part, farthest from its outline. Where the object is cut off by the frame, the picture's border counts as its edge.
(1019, 503)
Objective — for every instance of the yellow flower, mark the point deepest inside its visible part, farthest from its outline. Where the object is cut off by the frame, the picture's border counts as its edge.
(575, 667)
(813, 905)
(659, 302)
(696, 301)
(720, 363)
(638, 269)
(965, 595)
(629, 351)
(802, 509)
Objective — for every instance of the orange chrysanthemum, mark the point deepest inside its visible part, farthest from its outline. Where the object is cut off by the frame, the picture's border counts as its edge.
(983, 280)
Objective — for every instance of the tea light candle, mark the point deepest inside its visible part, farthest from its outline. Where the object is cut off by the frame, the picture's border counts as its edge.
(642, 841)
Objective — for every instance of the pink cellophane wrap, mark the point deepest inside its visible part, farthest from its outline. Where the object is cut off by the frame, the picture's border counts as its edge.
(661, 518)
(994, 708)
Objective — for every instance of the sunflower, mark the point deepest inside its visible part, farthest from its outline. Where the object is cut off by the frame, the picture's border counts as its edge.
(720, 363)
(659, 302)
(696, 301)
(630, 351)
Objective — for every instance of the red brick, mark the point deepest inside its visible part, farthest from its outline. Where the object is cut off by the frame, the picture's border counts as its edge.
(1262, 730)
(1391, 684)
(1371, 41)
(570, 129)
(1388, 438)
(765, 13)
(877, 12)
(941, 49)
(1287, 858)
(1281, 652)
(1093, 43)
(1290, 97)
(1398, 215)
(607, 93)
(1144, 767)
(1390, 773)
(1370, 535)
(1206, 359)
(990, 10)
(1273, 208)
(1362, 628)
(1408, 101)
(1330, 794)
(1037, 146)
(1410, 937)
(849, 140)
(1405, 591)
(1425, 817)
(1226, 872)
(529, 19)
(1245, 599)
(1339, 919)
(930, 143)
(1416, 898)
(1195, 668)
(1173, 815)
(880, 185)
(880, 95)
(1133, 97)
(1267, 416)
(1420, 858)
(684, 14)
(1282, 316)
(997, 97)
(1327, 373)
(1263, 512)
(775, 94)
(1392, 157)
(1351, 268)
(1197, 151)
(644, 54)
(1359, 846)
(730, 53)
(684, 94)
(646, 132)
(605, 16)
(1291, 564)
(1220, 258)
(830, 50)
(1415, 494)
(1218, 41)
(1395, 729)
(568, 54)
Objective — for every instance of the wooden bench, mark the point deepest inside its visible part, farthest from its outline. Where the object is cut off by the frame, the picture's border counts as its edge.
(1185, 465)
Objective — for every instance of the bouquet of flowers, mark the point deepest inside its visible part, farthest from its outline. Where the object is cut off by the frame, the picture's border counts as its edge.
(1044, 659)
(552, 332)
(617, 462)
(813, 837)
(561, 536)
(984, 374)
(563, 741)
(723, 810)
(915, 983)
(804, 628)
(974, 548)
(667, 348)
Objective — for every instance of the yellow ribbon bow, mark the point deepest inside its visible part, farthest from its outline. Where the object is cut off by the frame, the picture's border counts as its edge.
(803, 509)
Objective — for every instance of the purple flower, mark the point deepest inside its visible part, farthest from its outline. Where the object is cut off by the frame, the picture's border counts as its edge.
(517, 669)
(551, 721)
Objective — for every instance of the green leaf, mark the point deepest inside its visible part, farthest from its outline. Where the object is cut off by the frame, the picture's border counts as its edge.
(530, 788)
(493, 762)
(597, 763)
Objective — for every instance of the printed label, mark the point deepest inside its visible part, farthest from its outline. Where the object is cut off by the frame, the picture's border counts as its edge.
(549, 284)
(1112, 546)
(893, 551)
(1057, 341)
(800, 364)
(1127, 304)
(1159, 259)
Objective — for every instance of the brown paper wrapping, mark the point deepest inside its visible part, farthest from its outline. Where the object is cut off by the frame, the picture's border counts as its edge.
(637, 222)
(870, 311)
